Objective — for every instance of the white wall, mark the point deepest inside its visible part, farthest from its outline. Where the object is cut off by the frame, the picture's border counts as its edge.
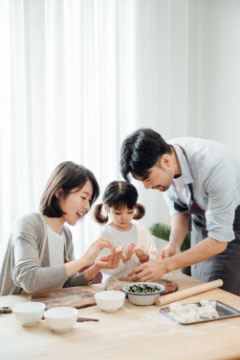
(218, 29)
(191, 82)
(175, 64)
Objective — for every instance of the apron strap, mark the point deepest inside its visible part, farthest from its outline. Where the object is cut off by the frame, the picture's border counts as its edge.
(193, 208)
(44, 239)
(45, 235)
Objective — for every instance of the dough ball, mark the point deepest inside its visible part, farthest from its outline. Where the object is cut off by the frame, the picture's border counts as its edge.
(127, 249)
(119, 248)
(144, 250)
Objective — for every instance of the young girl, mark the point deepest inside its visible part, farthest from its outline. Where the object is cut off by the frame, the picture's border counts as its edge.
(39, 255)
(131, 240)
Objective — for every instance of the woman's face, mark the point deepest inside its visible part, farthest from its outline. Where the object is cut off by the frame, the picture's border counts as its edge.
(76, 204)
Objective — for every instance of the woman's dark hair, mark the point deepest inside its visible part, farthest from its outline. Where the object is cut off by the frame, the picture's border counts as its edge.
(67, 176)
(119, 194)
(140, 151)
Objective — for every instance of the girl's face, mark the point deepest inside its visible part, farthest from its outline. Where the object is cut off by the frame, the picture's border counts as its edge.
(121, 219)
(76, 204)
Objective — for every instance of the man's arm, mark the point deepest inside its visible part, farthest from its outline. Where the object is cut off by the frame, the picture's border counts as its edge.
(152, 271)
(179, 230)
(198, 253)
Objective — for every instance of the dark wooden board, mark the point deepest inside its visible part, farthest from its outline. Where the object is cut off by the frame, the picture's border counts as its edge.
(169, 285)
(76, 297)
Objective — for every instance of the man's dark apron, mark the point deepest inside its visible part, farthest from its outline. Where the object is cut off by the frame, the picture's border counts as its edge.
(226, 265)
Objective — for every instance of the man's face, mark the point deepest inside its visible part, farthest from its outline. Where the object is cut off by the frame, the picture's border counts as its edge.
(160, 175)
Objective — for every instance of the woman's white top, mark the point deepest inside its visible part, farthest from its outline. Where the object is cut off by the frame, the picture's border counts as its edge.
(137, 234)
(56, 247)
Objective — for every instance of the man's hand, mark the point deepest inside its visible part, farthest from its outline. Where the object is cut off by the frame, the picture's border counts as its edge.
(149, 271)
(168, 250)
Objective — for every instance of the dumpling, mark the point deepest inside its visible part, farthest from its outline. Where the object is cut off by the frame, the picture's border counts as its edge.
(119, 248)
(208, 312)
(190, 313)
(191, 307)
(144, 250)
(204, 302)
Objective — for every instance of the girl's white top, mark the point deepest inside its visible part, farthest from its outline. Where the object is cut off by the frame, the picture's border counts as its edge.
(137, 234)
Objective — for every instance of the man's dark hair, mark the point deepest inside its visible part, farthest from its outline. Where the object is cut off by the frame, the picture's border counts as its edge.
(140, 151)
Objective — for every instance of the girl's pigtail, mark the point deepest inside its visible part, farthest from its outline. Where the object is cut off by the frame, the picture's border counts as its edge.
(140, 212)
(99, 217)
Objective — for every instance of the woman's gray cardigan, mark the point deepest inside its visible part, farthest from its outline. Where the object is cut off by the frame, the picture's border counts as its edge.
(21, 268)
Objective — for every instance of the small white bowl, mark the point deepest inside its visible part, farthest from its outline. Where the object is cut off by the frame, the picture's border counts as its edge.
(61, 318)
(29, 312)
(110, 301)
(143, 298)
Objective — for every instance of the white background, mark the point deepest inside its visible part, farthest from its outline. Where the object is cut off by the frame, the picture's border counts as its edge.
(78, 76)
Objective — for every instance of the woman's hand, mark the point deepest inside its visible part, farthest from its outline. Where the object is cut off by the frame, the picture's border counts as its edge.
(109, 261)
(168, 250)
(128, 252)
(142, 254)
(94, 249)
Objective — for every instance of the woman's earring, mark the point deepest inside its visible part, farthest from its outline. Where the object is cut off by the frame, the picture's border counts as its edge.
(106, 209)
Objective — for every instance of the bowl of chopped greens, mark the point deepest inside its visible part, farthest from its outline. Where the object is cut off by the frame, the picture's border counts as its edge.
(143, 293)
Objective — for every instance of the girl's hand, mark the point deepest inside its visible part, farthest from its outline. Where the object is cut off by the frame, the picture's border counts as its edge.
(110, 261)
(128, 252)
(167, 251)
(94, 249)
(142, 254)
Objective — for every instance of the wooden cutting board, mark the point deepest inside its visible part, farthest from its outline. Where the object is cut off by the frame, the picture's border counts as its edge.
(169, 285)
(76, 297)
(80, 298)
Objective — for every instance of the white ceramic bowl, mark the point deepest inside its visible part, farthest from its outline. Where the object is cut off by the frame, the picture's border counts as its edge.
(110, 301)
(143, 298)
(61, 318)
(29, 312)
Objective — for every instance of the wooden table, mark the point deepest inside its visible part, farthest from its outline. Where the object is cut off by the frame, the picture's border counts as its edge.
(131, 333)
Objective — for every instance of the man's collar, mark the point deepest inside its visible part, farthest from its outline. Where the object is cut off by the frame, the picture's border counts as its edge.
(185, 170)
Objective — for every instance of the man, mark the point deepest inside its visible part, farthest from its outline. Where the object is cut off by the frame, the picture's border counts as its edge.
(201, 183)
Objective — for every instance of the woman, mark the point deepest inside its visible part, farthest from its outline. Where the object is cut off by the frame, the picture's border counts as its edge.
(39, 255)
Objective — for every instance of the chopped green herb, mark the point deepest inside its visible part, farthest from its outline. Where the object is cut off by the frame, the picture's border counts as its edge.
(142, 289)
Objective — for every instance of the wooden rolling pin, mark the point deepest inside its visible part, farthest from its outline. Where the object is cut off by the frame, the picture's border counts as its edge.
(162, 300)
